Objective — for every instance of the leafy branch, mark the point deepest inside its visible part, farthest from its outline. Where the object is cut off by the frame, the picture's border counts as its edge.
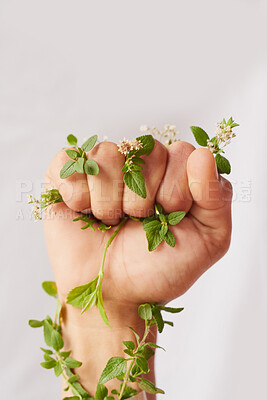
(78, 161)
(132, 368)
(133, 177)
(157, 227)
(223, 137)
(54, 357)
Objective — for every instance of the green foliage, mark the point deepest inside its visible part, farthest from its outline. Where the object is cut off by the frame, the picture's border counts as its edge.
(115, 367)
(156, 227)
(216, 144)
(90, 221)
(50, 288)
(78, 160)
(132, 168)
(200, 135)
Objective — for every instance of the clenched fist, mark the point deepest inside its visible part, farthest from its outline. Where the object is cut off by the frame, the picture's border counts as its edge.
(179, 178)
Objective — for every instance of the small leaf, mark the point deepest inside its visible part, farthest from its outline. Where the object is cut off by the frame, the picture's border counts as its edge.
(89, 144)
(72, 140)
(148, 387)
(52, 337)
(200, 135)
(163, 230)
(100, 305)
(47, 351)
(135, 334)
(154, 240)
(73, 378)
(175, 217)
(168, 323)
(79, 165)
(71, 363)
(142, 364)
(223, 164)
(48, 364)
(89, 301)
(136, 182)
(68, 169)
(34, 323)
(72, 398)
(58, 369)
(155, 346)
(91, 167)
(101, 392)
(145, 311)
(138, 160)
(148, 143)
(169, 238)
(77, 295)
(115, 367)
(128, 392)
(129, 345)
(65, 354)
(148, 353)
(50, 288)
(169, 309)
(151, 226)
(158, 318)
(73, 154)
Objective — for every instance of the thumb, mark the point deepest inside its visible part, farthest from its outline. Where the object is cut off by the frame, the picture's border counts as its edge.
(212, 194)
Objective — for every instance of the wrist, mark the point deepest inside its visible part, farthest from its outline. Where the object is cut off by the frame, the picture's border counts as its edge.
(94, 343)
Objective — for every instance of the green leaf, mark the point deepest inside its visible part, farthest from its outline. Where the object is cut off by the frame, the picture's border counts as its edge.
(145, 311)
(169, 309)
(77, 295)
(71, 363)
(200, 135)
(136, 182)
(101, 392)
(142, 364)
(138, 160)
(129, 345)
(68, 169)
(58, 369)
(79, 165)
(223, 164)
(73, 379)
(47, 351)
(72, 140)
(151, 226)
(72, 398)
(48, 364)
(73, 154)
(135, 334)
(148, 387)
(48, 358)
(155, 346)
(175, 217)
(168, 323)
(163, 230)
(234, 125)
(65, 354)
(34, 323)
(115, 367)
(91, 167)
(50, 288)
(103, 227)
(154, 239)
(158, 318)
(52, 337)
(169, 238)
(128, 392)
(148, 353)
(100, 305)
(148, 143)
(159, 209)
(89, 143)
(89, 301)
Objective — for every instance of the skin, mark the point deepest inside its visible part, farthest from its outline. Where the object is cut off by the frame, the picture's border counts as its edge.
(180, 178)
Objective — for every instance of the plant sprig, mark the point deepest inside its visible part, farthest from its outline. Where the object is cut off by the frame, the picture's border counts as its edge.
(54, 357)
(223, 137)
(133, 177)
(157, 227)
(132, 368)
(78, 161)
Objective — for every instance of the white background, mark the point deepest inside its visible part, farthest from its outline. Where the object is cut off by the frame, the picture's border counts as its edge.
(107, 67)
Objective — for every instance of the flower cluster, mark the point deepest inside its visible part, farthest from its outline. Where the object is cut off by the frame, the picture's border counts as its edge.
(126, 146)
(49, 197)
(224, 134)
(36, 210)
(167, 135)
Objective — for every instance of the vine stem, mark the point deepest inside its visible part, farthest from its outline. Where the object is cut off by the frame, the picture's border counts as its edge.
(112, 237)
(126, 378)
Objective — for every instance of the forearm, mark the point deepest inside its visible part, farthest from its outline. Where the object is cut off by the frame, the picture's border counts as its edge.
(94, 343)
